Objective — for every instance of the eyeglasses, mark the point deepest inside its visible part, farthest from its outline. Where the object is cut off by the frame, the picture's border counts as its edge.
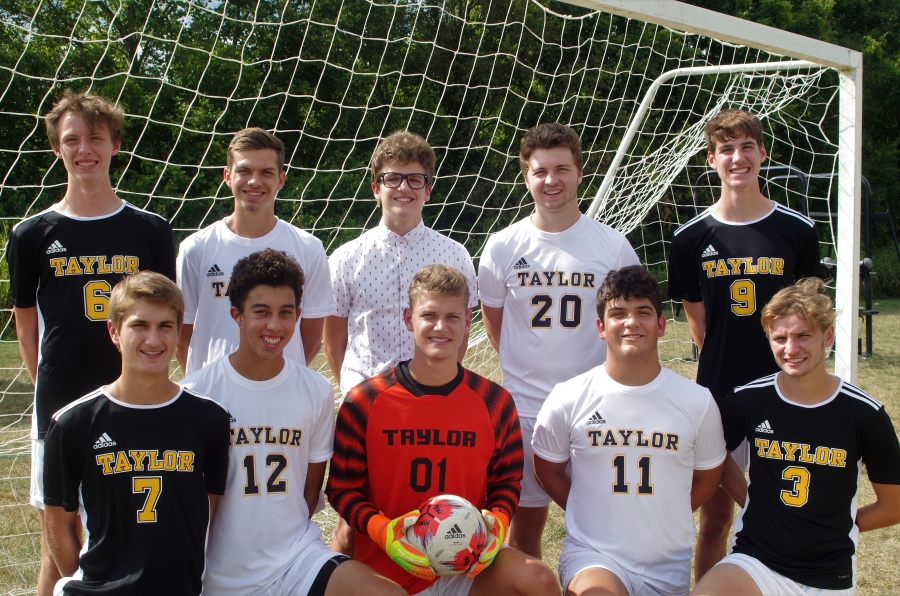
(394, 180)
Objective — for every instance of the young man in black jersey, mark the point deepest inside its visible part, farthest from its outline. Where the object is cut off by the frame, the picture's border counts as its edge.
(810, 433)
(144, 458)
(63, 263)
(724, 265)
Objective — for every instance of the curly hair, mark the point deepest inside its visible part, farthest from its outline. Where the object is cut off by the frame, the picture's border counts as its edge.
(628, 283)
(548, 136)
(93, 108)
(806, 299)
(267, 267)
(402, 146)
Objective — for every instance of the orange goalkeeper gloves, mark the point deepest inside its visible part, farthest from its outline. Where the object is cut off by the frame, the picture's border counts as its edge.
(497, 524)
(390, 536)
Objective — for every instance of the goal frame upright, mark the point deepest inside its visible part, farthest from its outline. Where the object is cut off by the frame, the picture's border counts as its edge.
(848, 64)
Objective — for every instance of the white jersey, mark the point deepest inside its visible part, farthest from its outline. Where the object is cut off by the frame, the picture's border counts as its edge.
(547, 285)
(370, 277)
(633, 452)
(205, 261)
(278, 427)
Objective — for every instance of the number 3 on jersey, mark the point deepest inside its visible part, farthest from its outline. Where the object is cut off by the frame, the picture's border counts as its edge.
(743, 292)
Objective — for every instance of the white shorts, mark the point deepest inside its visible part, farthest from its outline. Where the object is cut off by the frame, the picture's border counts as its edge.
(450, 585)
(741, 455)
(575, 559)
(770, 582)
(299, 577)
(532, 493)
(37, 473)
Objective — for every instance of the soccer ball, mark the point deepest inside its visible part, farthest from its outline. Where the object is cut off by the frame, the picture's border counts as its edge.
(451, 533)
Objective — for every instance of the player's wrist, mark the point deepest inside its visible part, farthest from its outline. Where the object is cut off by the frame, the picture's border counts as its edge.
(376, 527)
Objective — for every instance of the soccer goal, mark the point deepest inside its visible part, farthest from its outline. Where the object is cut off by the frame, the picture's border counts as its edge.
(638, 80)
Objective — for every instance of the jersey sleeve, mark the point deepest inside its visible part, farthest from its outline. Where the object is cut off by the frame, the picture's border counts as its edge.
(551, 430)
(188, 279)
(732, 423)
(881, 451)
(164, 250)
(215, 470)
(491, 280)
(24, 270)
(683, 281)
(318, 300)
(468, 269)
(808, 261)
(340, 285)
(349, 472)
(710, 448)
(63, 467)
(626, 256)
(321, 440)
(504, 481)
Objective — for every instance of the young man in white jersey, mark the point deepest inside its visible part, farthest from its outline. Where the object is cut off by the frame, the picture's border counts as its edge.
(255, 174)
(628, 449)
(282, 429)
(141, 461)
(63, 263)
(370, 276)
(810, 433)
(537, 280)
(724, 265)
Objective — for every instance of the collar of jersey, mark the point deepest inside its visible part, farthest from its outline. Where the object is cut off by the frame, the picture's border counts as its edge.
(141, 406)
(648, 388)
(807, 406)
(261, 241)
(573, 229)
(412, 237)
(240, 379)
(743, 223)
(96, 217)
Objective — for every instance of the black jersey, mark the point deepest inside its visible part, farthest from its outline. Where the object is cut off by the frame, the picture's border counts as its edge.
(143, 474)
(66, 267)
(805, 465)
(735, 269)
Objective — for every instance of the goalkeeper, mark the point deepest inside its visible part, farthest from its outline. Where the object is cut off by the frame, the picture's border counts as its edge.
(426, 427)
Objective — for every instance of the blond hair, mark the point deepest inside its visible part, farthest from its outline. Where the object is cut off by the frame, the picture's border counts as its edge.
(442, 280)
(731, 124)
(145, 285)
(402, 146)
(806, 299)
(254, 139)
(548, 136)
(93, 108)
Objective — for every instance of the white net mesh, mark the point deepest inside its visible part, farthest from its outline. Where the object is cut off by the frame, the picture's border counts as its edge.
(331, 78)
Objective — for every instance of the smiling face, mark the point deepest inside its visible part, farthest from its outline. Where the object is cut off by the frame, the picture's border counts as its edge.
(631, 328)
(267, 321)
(401, 207)
(439, 323)
(86, 152)
(146, 337)
(255, 177)
(799, 346)
(553, 180)
(738, 162)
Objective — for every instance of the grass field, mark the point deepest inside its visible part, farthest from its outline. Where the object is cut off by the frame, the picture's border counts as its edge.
(879, 551)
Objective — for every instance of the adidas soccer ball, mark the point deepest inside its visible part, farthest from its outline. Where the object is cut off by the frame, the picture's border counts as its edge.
(451, 533)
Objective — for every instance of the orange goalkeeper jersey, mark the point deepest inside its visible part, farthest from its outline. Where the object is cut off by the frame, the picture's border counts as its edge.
(397, 445)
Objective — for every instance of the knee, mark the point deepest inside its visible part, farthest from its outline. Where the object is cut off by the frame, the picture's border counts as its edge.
(537, 579)
(715, 525)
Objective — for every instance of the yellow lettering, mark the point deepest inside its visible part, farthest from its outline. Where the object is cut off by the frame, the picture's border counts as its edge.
(138, 457)
(735, 265)
(823, 454)
(102, 267)
(171, 459)
(721, 268)
(105, 460)
(132, 264)
(804, 454)
(118, 264)
(749, 267)
(153, 461)
(185, 461)
(763, 264)
(122, 463)
(761, 446)
(789, 449)
(708, 267)
(88, 263)
(72, 268)
(774, 451)
(838, 458)
(777, 266)
(57, 265)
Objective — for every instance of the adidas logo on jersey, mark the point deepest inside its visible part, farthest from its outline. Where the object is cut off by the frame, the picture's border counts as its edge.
(214, 271)
(454, 532)
(765, 428)
(56, 247)
(596, 419)
(104, 441)
(709, 252)
(521, 264)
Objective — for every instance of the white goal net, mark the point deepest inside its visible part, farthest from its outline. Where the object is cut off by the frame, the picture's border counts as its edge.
(332, 77)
